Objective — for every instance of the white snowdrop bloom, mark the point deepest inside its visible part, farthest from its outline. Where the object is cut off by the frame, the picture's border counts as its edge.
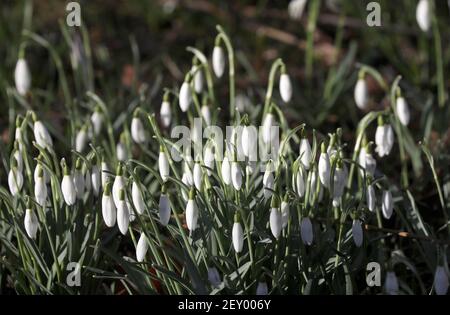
(198, 81)
(305, 153)
(96, 180)
(123, 213)
(164, 209)
(105, 173)
(262, 288)
(306, 231)
(206, 114)
(214, 277)
(198, 176)
(185, 97)
(121, 151)
(236, 175)
(78, 180)
(226, 171)
(384, 139)
(68, 189)
(361, 94)
(237, 236)
(249, 140)
(141, 248)
(268, 134)
(357, 232)
(268, 183)
(163, 164)
(119, 184)
(208, 158)
(296, 8)
(218, 61)
(284, 214)
(387, 205)
(324, 169)
(285, 87)
(191, 212)
(275, 222)
(108, 206)
(31, 223)
(423, 15)
(391, 283)
(166, 114)
(300, 182)
(22, 77)
(339, 184)
(40, 188)
(138, 131)
(37, 170)
(97, 121)
(371, 198)
(42, 136)
(402, 111)
(136, 196)
(440, 281)
(81, 140)
(367, 162)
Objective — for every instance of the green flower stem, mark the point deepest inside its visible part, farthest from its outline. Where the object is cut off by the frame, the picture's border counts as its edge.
(209, 81)
(278, 64)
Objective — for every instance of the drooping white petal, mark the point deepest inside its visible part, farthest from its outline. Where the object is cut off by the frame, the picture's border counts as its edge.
(218, 61)
(138, 131)
(275, 222)
(166, 114)
(81, 140)
(68, 190)
(119, 183)
(237, 237)
(164, 209)
(296, 8)
(40, 191)
(141, 248)
(41, 135)
(206, 114)
(236, 175)
(423, 15)
(198, 81)
(324, 169)
(136, 196)
(108, 210)
(361, 94)
(285, 87)
(226, 171)
(163, 164)
(15, 181)
(185, 96)
(22, 76)
(191, 215)
(123, 216)
(97, 122)
(402, 111)
(305, 153)
(31, 223)
(198, 176)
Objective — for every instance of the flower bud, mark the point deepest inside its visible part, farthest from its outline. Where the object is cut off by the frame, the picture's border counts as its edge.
(305, 153)
(42, 136)
(119, 184)
(324, 169)
(68, 186)
(15, 180)
(423, 15)
(208, 158)
(97, 121)
(40, 187)
(22, 77)
(268, 183)
(136, 196)
(236, 175)
(191, 213)
(141, 248)
(268, 134)
(226, 171)
(166, 114)
(296, 8)
(123, 213)
(218, 61)
(402, 111)
(31, 223)
(237, 235)
(249, 139)
(275, 222)
(285, 87)
(163, 164)
(198, 81)
(138, 131)
(185, 96)
(198, 176)
(81, 140)
(108, 206)
(361, 94)
(206, 114)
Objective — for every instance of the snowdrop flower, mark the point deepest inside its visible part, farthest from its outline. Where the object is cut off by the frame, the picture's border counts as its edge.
(402, 111)
(214, 277)
(299, 184)
(269, 135)
(68, 186)
(249, 140)
(81, 140)
(141, 248)
(191, 212)
(305, 153)
(296, 8)
(17, 155)
(42, 136)
(384, 138)
(306, 231)
(18, 138)
(357, 232)
(268, 182)
(236, 175)
(31, 223)
(96, 179)
(15, 179)
(237, 234)
(136, 196)
(105, 173)
(22, 76)
(164, 207)
(370, 198)
(275, 218)
(218, 61)
(367, 161)
(123, 213)
(185, 97)
(78, 180)
(324, 167)
(165, 112)
(440, 281)
(119, 184)
(198, 176)
(226, 171)
(423, 15)
(361, 93)
(339, 183)
(198, 81)
(284, 213)
(262, 289)
(121, 149)
(36, 171)
(40, 187)
(206, 114)
(285, 87)
(391, 283)
(208, 158)
(97, 121)
(108, 206)
(163, 164)
(137, 129)
(387, 205)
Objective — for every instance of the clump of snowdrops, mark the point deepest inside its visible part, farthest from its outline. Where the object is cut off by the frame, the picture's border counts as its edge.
(137, 212)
